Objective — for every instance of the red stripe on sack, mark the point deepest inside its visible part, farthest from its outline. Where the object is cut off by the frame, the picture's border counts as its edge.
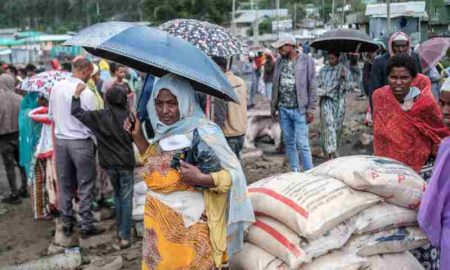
(282, 199)
(279, 237)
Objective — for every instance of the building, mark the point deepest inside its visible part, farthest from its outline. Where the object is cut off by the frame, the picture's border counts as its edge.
(439, 23)
(246, 18)
(408, 17)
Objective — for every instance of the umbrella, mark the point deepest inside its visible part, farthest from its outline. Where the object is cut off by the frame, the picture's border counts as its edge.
(432, 51)
(43, 82)
(156, 52)
(212, 39)
(345, 40)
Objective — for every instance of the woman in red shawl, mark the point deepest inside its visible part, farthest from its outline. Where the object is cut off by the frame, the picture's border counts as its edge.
(408, 126)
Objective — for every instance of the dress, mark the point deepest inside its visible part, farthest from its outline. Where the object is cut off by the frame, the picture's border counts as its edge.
(165, 236)
(332, 105)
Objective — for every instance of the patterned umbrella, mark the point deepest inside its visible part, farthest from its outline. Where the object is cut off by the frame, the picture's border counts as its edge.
(212, 39)
(43, 82)
(432, 51)
(156, 52)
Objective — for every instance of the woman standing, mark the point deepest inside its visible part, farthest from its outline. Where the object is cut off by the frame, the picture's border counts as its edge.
(434, 212)
(335, 82)
(193, 220)
(408, 126)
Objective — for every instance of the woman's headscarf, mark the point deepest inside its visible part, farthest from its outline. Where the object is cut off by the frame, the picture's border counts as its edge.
(240, 212)
(396, 37)
(7, 83)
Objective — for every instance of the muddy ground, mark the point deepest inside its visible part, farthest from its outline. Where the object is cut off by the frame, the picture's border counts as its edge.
(23, 239)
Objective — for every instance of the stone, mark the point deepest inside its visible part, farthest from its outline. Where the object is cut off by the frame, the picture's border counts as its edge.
(66, 261)
(139, 227)
(251, 154)
(54, 249)
(132, 255)
(106, 263)
(61, 240)
(366, 139)
(97, 240)
(103, 214)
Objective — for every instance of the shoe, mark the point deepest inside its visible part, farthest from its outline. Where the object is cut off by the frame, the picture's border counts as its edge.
(23, 192)
(124, 244)
(86, 233)
(12, 199)
(67, 230)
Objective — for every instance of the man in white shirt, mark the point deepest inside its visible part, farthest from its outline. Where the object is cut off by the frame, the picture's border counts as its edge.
(75, 158)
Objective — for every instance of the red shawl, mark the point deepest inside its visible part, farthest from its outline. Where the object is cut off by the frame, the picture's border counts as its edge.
(408, 136)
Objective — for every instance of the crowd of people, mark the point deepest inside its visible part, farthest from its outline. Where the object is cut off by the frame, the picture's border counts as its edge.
(74, 146)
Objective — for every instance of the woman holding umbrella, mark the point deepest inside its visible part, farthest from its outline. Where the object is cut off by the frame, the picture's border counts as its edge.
(188, 239)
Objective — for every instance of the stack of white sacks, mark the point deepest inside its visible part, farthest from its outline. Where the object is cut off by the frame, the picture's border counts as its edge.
(356, 212)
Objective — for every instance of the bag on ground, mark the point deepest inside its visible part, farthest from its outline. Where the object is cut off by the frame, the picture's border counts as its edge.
(252, 257)
(389, 241)
(336, 260)
(395, 182)
(277, 239)
(384, 216)
(309, 205)
(398, 261)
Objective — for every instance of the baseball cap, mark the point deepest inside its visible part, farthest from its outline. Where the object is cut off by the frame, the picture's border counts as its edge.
(284, 39)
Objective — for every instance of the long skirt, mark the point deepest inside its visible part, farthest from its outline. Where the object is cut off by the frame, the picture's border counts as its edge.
(332, 113)
(169, 245)
(427, 255)
(44, 189)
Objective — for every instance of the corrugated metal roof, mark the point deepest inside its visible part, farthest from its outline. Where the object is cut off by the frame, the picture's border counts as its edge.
(46, 38)
(411, 9)
(248, 16)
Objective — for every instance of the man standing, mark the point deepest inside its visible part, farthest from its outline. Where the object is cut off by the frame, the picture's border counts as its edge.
(74, 150)
(294, 96)
(268, 73)
(235, 116)
(9, 137)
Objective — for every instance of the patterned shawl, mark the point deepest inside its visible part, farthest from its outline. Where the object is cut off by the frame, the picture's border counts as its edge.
(410, 136)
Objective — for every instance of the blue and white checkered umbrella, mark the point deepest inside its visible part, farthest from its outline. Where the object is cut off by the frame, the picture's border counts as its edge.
(156, 52)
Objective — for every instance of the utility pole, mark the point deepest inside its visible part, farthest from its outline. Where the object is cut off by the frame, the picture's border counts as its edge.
(278, 17)
(233, 17)
(343, 13)
(388, 17)
(295, 16)
(332, 13)
(255, 24)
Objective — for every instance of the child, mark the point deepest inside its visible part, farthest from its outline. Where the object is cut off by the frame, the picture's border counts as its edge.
(115, 150)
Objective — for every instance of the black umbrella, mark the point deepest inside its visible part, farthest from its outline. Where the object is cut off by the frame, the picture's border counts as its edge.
(345, 40)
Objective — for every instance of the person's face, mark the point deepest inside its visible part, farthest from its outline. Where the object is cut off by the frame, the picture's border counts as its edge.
(96, 77)
(400, 46)
(120, 73)
(285, 50)
(400, 81)
(444, 103)
(166, 105)
(333, 60)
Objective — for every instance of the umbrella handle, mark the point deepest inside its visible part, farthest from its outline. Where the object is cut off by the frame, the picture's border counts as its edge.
(208, 107)
(358, 47)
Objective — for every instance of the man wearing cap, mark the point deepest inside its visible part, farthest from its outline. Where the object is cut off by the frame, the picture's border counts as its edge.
(399, 42)
(294, 96)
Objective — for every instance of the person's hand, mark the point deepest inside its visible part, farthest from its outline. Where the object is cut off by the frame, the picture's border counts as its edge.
(191, 175)
(343, 74)
(80, 88)
(135, 130)
(309, 117)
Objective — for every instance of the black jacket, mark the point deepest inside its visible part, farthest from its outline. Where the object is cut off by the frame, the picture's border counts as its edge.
(115, 149)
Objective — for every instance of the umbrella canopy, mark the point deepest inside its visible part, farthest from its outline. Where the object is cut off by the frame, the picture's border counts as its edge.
(345, 40)
(212, 39)
(43, 82)
(432, 51)
(156, 52)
